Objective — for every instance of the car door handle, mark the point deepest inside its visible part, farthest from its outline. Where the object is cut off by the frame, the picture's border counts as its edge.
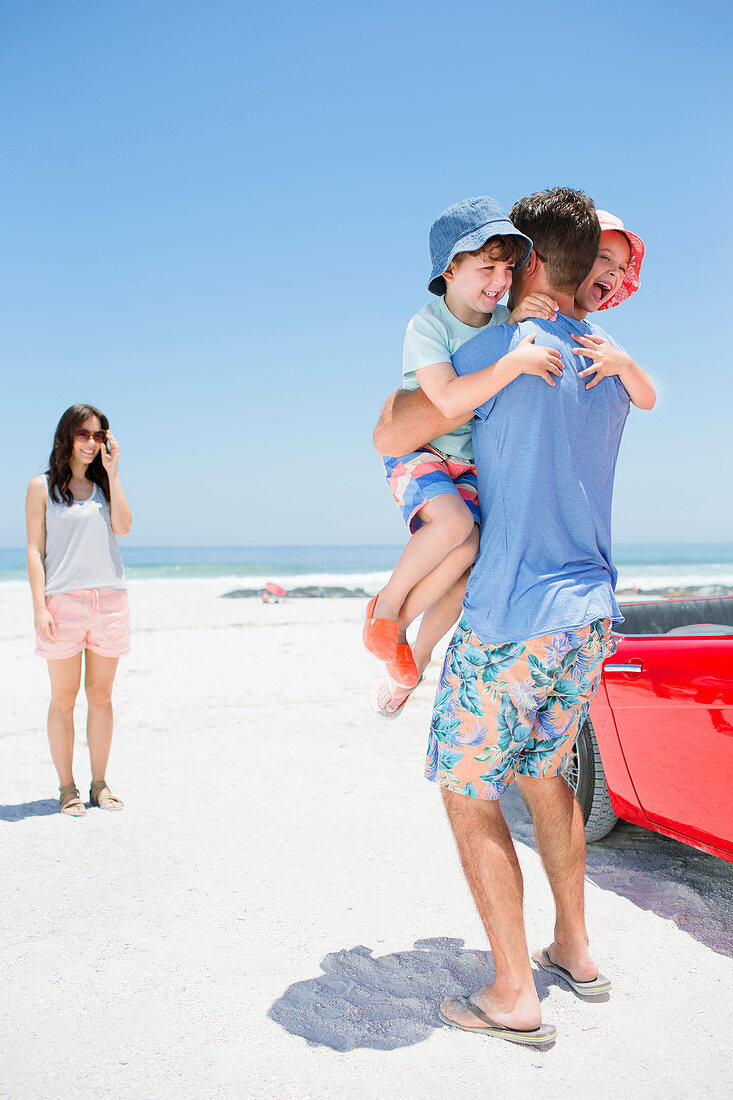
(634, 667)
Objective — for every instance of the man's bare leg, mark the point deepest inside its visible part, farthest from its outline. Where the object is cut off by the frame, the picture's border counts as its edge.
(558, 827)
(493, 874)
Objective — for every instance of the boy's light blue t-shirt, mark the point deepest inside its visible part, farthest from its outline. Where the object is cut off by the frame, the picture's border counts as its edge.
(545, 458)
(432, 336)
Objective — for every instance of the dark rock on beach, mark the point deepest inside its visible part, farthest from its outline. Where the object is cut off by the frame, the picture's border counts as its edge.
(309, 592)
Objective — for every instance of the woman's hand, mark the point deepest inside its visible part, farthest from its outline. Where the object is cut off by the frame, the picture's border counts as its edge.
(120, 514)
(45, 625)
(111, 459)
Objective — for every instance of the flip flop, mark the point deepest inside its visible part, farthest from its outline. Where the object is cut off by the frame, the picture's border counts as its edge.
(594, 988)
(398, 692)
(379, 635)
(538, 1036)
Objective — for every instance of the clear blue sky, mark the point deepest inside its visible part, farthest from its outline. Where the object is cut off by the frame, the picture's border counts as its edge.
(215, 229)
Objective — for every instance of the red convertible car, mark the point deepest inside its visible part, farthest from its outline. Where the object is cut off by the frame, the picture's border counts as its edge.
(657, 747)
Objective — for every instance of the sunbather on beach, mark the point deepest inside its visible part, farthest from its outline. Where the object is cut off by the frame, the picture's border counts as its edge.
(475, 250)
(613, 279)
(525, 660)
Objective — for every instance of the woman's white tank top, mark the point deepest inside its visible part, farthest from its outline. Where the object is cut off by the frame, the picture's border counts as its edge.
(81, 547)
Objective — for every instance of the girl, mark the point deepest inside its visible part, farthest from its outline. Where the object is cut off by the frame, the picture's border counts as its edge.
(73, 513)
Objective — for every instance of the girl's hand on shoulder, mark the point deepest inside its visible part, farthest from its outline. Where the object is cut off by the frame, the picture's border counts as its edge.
(45, 625)
(111, 459)
(541, 306)
(606, 359)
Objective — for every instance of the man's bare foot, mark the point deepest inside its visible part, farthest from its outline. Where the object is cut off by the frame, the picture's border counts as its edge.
(576, 960)
(521, 1011)
(587, 988)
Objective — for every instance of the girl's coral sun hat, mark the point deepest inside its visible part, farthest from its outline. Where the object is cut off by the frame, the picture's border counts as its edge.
(632, 278)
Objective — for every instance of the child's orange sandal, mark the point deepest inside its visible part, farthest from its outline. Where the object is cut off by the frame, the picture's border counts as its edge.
(379, 635)
(402, 668)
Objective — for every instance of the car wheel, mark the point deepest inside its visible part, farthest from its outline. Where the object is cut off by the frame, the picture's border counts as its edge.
(583, 773)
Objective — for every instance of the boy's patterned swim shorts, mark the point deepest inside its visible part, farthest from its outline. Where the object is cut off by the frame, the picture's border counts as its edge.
(423, 475)
(512, 709)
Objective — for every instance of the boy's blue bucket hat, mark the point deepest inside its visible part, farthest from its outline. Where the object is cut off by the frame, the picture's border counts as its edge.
(464, 227)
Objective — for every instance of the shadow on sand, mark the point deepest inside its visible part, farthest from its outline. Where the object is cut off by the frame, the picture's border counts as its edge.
(382, 1003)
(679, 883)
(43, 807)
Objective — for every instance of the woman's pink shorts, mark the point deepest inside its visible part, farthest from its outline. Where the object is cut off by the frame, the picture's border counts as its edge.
(94, 618)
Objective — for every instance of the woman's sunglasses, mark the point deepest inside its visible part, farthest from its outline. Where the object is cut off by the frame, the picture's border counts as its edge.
(84, 435)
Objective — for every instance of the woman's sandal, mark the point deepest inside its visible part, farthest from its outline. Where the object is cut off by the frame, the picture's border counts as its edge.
(107, 801)
(69, 801)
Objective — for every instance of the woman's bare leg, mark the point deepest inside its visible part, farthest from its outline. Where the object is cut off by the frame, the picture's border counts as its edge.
(65, 675)
(98, 680)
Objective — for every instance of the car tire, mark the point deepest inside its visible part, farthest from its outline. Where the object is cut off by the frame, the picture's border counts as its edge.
(583, 773)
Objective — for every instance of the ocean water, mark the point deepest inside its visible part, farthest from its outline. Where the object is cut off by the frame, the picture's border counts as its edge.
(642, 567)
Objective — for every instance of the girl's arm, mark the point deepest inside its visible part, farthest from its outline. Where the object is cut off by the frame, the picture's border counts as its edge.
(457, 396)
(120, 514)
(608, 360)
(35, 523)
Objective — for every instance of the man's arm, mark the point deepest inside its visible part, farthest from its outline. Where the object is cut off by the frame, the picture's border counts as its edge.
(408, 421)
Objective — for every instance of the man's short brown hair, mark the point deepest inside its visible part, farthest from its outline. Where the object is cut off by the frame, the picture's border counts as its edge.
(501, 247)
(565, 232)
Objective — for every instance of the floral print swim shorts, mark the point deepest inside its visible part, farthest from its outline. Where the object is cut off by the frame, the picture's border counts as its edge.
(512, 709)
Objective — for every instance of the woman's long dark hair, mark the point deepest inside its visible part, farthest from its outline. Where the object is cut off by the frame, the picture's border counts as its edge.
(59, 470)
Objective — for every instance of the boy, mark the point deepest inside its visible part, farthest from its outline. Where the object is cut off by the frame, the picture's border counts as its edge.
(475, 250)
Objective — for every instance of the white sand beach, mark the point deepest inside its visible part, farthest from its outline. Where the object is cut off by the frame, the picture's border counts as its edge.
(279, 909)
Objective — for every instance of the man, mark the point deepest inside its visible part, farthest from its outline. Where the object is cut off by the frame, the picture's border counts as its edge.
(526, 657)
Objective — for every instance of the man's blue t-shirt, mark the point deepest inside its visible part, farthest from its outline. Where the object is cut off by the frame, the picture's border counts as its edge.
(545, 457)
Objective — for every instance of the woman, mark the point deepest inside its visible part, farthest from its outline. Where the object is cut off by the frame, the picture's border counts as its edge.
(73, 513)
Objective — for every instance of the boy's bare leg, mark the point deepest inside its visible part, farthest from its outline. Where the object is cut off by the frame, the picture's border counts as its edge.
(447, 579)
(558, 827)
(447, 524)
(436, 622)
(492, 871)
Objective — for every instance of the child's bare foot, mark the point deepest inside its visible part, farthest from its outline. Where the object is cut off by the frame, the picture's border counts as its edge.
(389, 698)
